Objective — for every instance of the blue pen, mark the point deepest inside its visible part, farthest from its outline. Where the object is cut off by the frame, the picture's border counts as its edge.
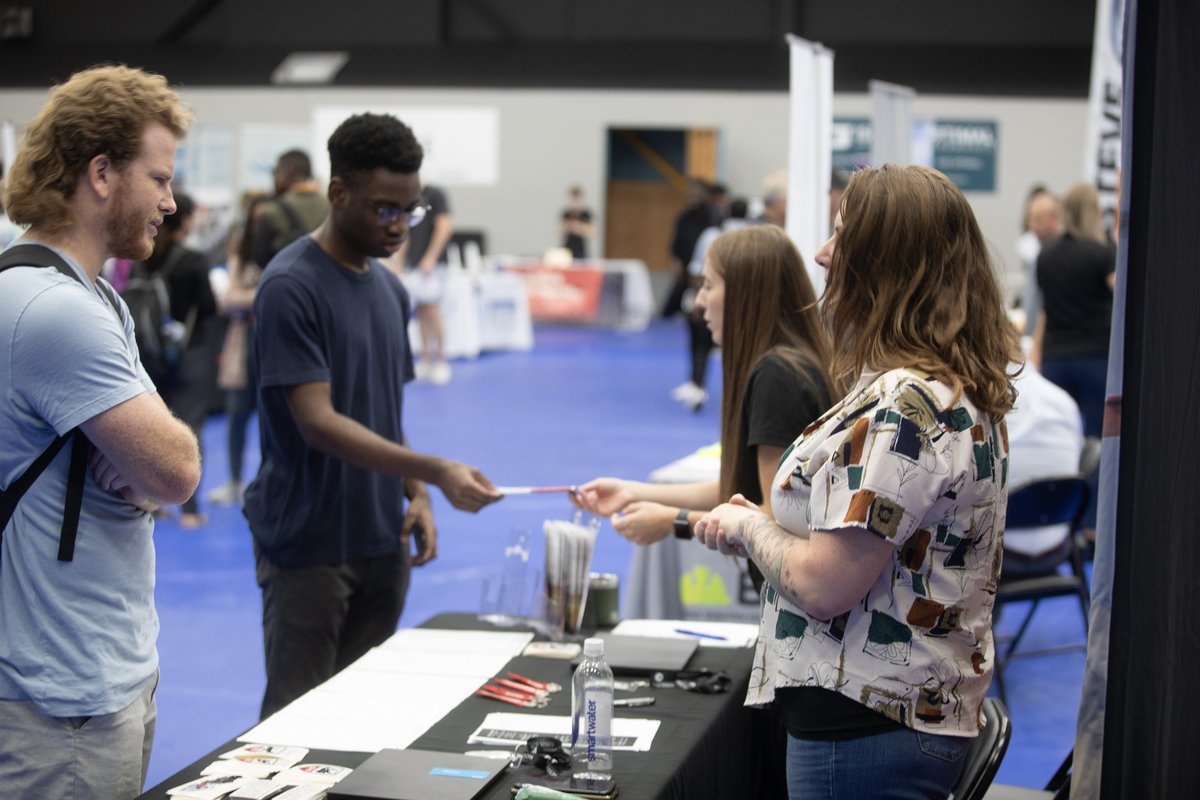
(700, 635)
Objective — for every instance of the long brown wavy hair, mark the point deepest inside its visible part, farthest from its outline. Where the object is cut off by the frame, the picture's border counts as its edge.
(910, 285)
(100, 111)
(770, 309)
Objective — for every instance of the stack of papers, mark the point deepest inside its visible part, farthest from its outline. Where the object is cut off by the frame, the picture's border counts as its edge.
(260, 771)
(569, 547)
(394, 693)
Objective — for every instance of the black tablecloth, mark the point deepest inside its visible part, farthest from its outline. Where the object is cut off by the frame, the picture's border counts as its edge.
(704, 746)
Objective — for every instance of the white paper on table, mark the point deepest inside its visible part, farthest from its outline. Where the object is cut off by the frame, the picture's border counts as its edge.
(507, 730)
(365, 711)
(403, 660)
(394, 693)
(713, 634)
(441, 640)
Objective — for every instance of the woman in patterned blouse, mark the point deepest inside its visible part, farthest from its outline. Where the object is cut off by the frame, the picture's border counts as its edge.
(883, 555)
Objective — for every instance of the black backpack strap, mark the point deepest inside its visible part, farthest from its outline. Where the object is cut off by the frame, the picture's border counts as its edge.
(76, 478)
(12, 495)
(298, 226)
(36, 255)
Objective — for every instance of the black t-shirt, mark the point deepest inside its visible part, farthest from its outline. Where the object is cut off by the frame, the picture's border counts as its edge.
(779, 404)
(316, 321)
(420, 236)
(1073, 276)
(573, 241)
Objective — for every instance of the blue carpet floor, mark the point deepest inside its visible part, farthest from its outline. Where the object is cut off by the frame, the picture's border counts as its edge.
(583, 403)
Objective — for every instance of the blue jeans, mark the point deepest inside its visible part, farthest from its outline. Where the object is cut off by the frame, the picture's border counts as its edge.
(903, 765)
(1085, 378)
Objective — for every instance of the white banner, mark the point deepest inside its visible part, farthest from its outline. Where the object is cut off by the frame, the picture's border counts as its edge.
(1107, 149)
(8, 143)
(1102, 145)
(810, 151)
(891, 122)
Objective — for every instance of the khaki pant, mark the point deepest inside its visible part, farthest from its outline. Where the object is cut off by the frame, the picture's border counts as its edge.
(76, 758)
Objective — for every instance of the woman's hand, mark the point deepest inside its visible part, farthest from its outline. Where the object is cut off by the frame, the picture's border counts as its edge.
(645, 523)
(604, 496)
(725, 528)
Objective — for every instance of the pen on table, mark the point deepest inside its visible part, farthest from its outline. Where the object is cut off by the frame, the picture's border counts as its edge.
(701, 635)
(633, 702)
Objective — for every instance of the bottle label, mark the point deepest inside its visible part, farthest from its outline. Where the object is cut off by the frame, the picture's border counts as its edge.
(596, 731)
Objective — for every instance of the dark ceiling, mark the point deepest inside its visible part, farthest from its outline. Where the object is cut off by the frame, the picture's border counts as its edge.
(1019, 47)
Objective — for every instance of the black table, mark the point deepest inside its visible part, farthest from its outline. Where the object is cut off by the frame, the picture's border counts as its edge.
(704, 746)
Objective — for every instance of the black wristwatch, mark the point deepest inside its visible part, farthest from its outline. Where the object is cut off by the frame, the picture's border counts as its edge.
(683, 529)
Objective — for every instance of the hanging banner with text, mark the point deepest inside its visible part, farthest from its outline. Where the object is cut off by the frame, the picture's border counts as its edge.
(965, 150)
(1102, 145)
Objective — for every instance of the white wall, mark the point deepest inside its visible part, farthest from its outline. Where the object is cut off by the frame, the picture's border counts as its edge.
(552, 138)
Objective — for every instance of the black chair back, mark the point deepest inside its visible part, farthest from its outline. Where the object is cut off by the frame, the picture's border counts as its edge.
(986, 753)
(1050, 501)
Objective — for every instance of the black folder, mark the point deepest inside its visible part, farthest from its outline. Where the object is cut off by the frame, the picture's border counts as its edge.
(418, 775)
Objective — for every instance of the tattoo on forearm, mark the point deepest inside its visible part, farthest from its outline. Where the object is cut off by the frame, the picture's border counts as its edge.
(771, 548)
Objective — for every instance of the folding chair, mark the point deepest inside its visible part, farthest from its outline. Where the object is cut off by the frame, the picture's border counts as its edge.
(986, 753)
(1049, 501)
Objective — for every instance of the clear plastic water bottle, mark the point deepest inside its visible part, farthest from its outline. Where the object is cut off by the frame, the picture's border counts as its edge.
(592, 712)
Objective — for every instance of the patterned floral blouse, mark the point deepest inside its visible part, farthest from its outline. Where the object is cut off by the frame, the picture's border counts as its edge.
(896, 458)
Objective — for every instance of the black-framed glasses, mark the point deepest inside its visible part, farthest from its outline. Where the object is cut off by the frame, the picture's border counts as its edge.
(389, 215)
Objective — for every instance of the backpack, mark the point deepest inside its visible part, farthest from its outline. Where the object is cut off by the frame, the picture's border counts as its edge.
(35, 255)
(159, 338)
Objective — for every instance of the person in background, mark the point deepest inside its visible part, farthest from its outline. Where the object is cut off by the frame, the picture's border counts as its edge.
(696, 216)
(78, 656)
(424, 258)
(700, 339)
(235, 368)
(298, 207)
(189, 379)
(882, 547)
(1045, 440)
(576, 226)
(333, 539)
(774, 200)
(1043, 224)
(1076, 274)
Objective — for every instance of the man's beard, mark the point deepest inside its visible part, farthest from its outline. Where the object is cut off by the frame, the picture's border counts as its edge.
(126, 230)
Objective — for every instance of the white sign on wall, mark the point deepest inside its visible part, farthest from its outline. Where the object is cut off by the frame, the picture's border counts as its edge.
(462, 143)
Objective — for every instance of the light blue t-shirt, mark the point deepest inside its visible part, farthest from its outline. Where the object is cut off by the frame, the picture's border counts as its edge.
(77, 638)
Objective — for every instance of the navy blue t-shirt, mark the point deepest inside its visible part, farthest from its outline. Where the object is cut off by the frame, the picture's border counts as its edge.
(315, 320)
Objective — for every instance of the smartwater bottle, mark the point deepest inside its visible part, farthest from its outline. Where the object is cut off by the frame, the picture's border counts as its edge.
(592, 713)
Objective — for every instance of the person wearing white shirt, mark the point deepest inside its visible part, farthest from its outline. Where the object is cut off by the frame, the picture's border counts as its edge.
(1045, 439)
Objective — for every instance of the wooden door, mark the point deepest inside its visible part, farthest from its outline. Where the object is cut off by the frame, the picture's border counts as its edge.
(647, 181)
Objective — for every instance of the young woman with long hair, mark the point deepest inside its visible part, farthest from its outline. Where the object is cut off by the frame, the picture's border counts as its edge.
(762, 311)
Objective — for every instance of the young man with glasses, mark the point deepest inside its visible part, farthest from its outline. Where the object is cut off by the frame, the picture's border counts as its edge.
(327, 509)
